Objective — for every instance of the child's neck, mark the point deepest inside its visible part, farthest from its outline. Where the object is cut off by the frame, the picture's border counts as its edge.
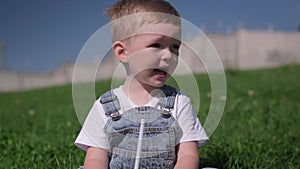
(138, 93)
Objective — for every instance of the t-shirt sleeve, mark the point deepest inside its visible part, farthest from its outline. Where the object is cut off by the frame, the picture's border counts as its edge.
(188, 121)
(92, 133)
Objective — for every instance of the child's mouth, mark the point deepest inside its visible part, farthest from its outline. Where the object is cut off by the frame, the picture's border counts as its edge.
(159, 72)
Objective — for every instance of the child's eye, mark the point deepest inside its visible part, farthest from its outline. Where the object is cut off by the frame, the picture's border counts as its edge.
(155, 45)
(176, 46)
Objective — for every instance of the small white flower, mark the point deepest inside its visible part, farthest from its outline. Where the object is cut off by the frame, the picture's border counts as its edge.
(31, 112)
(69, 124)
(223, 98)
(250, 92)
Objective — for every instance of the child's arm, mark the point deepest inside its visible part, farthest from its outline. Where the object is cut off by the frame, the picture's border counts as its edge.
(96, 158)
(187, 155)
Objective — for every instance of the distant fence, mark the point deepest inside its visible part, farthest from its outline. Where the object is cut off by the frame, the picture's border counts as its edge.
(243, 49)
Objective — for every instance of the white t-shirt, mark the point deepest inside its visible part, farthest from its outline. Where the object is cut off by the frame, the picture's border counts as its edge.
(92, 133)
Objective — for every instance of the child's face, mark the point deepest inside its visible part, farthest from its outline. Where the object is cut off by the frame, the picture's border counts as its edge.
(153, 54)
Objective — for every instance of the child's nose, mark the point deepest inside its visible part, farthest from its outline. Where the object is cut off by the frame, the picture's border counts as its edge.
(167, 54)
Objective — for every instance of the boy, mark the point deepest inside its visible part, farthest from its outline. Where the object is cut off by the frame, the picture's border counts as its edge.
(143, 123)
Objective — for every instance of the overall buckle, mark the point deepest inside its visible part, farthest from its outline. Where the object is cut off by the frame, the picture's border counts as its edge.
(115, 116)
(166, 113)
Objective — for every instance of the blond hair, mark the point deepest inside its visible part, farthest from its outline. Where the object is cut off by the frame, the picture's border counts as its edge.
(129, 15)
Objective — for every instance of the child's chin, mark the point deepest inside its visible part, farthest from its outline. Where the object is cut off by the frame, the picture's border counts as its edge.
(158, 85)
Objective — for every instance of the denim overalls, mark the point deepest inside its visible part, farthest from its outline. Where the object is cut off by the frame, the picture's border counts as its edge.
(159, 134)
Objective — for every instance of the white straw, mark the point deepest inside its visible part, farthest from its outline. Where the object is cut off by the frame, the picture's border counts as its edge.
(139, 146)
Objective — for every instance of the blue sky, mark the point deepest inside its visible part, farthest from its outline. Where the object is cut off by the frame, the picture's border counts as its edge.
(41, 35)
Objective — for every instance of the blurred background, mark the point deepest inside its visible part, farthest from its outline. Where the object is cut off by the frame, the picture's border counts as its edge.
(258, 43)
(40, 40)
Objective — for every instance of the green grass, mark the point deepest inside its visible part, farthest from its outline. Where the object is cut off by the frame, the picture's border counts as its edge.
(38, 128)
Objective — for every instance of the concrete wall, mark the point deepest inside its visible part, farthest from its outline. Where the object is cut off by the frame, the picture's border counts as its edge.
(257, 49)
(243, 49)
(246, 49)
(226, 46)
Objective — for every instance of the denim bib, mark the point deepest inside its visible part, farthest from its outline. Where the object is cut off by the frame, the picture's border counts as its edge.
(159, 133)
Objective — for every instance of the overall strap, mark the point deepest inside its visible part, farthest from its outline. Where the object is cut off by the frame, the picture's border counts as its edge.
(168, 101)
(110, 105)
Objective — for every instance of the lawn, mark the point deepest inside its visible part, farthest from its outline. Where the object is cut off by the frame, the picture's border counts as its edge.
(259, 127)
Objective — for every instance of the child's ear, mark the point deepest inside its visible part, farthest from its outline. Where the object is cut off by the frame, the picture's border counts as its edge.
(120, 51)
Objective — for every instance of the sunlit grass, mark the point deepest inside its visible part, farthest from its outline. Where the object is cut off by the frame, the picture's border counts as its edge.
(259, 128)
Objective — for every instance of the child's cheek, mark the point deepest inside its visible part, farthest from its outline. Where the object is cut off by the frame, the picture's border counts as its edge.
(143, 60)
(173, 63)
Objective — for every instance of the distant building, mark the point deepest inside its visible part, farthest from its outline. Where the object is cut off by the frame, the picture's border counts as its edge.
(2, 55)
